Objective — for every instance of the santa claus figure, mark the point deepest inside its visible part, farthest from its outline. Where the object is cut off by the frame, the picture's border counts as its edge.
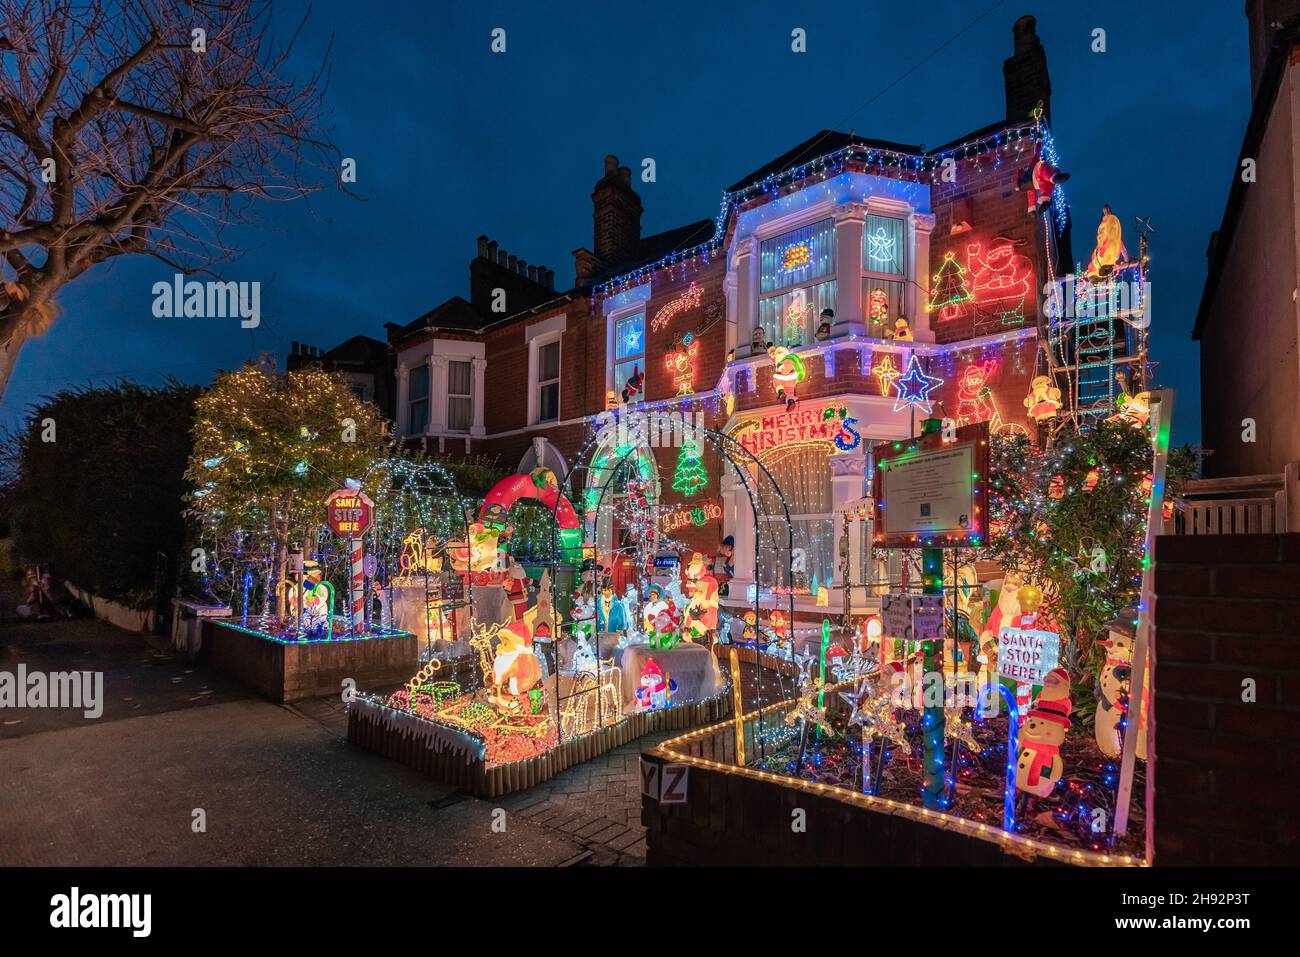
(1038, 179)
(1110, 244)
(701, 590)
(515, 669)
(723, 568)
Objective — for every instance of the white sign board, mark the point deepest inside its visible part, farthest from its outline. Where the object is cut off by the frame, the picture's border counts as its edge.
(911, 617)
(1026, 656)
(929, 494)
(665, 783)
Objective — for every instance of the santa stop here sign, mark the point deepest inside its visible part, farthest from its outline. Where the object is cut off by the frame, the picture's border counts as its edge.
(1025, 655)
(349, 513)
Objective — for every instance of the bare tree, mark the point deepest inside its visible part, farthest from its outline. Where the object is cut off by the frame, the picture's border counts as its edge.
(139, 127)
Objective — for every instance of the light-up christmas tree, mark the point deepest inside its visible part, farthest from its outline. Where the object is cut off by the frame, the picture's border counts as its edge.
(690, 476)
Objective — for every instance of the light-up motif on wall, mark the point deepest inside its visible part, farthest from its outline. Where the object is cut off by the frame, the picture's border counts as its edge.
(1000, 280)
(914, 388)
(675, 307)
(695, 515)
(680, 362)
(820, 424)
(886, 373)
(795, 255)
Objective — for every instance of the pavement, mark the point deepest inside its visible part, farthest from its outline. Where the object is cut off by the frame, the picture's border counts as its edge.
(187, 768)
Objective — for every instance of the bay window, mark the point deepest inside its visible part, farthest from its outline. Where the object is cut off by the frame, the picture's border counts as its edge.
(417, 405)
(884, 250)
(790, 299)
(460, 395)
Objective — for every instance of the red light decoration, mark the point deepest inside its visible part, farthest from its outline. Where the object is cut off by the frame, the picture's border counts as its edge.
(670, 310)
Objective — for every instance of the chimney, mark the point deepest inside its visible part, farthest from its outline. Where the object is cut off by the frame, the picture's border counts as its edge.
(482, 247)
(616, 213)
(532, 274)
(1263, 18)
(548, 278)
(490, 253)
(1024, 73)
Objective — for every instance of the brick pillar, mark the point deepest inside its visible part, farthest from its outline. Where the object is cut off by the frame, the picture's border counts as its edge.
(1227, 612)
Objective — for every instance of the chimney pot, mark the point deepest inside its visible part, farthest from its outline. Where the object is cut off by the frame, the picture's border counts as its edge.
(532, 273)
(491, 251)
(482, 247)
(512, 262)
(611, 164)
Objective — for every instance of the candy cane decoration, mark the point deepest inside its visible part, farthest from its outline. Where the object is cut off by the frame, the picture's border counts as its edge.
(358, 587)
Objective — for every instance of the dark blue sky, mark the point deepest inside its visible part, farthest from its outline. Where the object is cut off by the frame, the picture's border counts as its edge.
(452, 141)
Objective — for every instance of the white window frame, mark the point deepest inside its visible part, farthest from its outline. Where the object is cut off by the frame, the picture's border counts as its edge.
(468, 361)
(536, 336)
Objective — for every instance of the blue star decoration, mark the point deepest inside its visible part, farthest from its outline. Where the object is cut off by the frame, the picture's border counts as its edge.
(914, 387)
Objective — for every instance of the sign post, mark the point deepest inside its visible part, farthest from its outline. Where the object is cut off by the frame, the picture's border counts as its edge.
(350, 515)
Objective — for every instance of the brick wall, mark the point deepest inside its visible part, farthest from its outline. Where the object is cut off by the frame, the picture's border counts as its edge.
(1227, 609)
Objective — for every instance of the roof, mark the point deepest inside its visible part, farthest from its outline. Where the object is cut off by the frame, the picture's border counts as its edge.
(456, 315)
(827, 141)
(650, 248)
(361, 349)
(1275, 68)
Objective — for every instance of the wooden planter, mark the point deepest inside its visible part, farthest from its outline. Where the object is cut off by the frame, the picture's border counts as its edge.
(455, 758)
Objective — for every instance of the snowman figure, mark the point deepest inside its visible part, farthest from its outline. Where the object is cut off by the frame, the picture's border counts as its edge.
(1038, 764)
(1113, 684)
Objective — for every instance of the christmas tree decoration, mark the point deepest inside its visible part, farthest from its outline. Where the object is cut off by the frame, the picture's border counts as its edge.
(950, 291)
(690, 475)
(914, 388)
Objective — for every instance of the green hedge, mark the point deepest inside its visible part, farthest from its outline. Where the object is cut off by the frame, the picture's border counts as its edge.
(102, 502)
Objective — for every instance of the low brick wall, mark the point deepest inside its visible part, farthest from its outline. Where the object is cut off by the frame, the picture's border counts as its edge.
(1223, 783)
(291, 672)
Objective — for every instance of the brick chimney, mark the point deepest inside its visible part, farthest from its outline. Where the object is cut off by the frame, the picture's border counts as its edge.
(1024, 73)
(617, 214)
(1263, 18)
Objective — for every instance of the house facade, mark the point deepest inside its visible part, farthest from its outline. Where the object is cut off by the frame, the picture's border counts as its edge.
(783, 327)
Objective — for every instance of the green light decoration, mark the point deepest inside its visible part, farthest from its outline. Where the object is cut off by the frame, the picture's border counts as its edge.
(690, 476)
(950, 287)
(934, 789)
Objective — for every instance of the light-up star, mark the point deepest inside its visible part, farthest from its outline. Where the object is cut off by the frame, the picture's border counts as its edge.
(880, 247)
(886, 372)
(914, 388)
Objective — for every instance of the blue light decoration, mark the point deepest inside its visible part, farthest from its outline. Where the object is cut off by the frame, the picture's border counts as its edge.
(824, 167)
(914, 387)
(1013, 747)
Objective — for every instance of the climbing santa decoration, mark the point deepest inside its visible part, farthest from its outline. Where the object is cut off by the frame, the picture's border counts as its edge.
(1110, 245)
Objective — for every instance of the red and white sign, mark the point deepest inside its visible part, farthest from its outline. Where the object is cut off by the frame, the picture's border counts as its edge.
(811, 424)
(349, 513)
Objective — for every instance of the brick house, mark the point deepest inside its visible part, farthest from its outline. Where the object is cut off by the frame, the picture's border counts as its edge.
(1248, 322)
(823, 251)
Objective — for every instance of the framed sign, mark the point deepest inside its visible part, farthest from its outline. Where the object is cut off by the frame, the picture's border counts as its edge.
(932, 492)
(1025, 656)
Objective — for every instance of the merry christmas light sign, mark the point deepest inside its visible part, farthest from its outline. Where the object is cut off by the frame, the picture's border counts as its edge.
(819, 423)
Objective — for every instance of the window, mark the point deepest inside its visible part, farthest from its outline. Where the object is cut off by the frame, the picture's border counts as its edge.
(629, 349)
(417, 400)
(793, 258)
(460, 395)
(883, 246)
(884, 251)
(804, 476)
(548, 381)
(791, 318)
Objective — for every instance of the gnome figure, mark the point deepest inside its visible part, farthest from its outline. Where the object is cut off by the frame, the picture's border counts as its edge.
(1039, 765)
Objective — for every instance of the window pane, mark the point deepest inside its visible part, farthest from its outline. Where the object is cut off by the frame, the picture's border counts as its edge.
(803, 475)
(548, 361)
(418, 382)
(459, 413)
(459, 378)
(419, 416)
(813, 554)
(791, 319)
(624, 371)
(549, 406)
(797, 256)
(629, 337)
(882, 304)
(883, 246)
